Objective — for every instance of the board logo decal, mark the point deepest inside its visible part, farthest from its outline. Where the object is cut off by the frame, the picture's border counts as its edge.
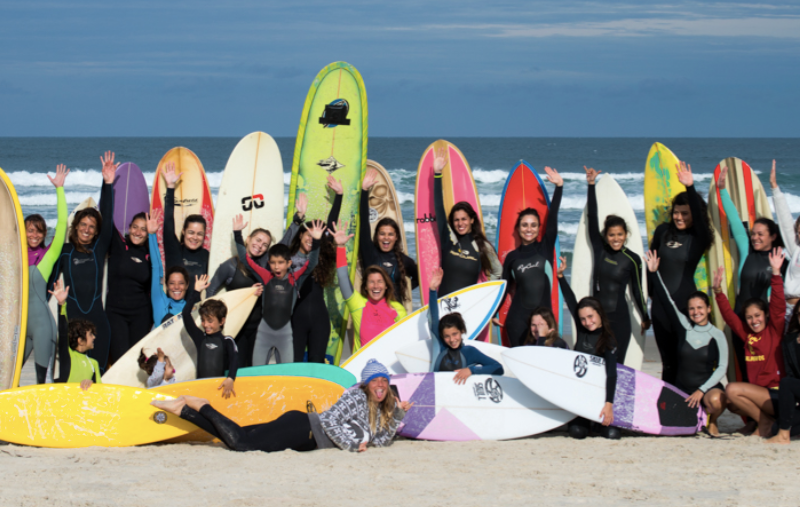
(335, 114)
(184, 203)
(330, 164)
(373, 215)
(490, 389)
(426, 218)
(580, 366)
(450, 304)
(160, 417)
(256, 201)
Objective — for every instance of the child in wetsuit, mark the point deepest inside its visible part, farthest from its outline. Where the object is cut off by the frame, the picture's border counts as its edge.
(542, 329)
(160, 371)
(76, 366)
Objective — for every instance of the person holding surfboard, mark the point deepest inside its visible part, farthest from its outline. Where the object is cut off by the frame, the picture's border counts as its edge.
(41, 333)
(82, 261)
(615, 269)
(189, 251)
(176, 280)
(593, 335)
(790, 230)
(385, 248)
(466, 253)
(760, 327)
(680, 244)
(543, 330)
(527, 266)
(376, 307)
(702, 351)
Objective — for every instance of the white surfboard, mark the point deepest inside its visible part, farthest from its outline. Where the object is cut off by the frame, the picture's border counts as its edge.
(172, 338)
(611, 200)
(486, 407)
(252, 185)
(476, 303)
(417, 357)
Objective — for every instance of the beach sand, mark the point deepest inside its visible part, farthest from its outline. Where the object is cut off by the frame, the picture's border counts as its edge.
(550, 469)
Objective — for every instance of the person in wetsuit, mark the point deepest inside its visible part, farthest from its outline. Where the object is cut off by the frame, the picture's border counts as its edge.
(74, 363)
(790, 231)
(176, 280)
(216, 352)
(702, 351)
(529, 267)
(615, 269)
(542, 330)
(367, 415)
(41, 333)
(680, 244)
(189, 252)
(789, 392)
(233, 275)
(467, 255)
(385, 248)
(593, 335)
(82, 261)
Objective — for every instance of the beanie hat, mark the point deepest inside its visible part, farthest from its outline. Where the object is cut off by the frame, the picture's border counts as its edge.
(372, 370)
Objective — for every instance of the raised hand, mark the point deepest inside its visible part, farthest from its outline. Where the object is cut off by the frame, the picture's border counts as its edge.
(61, 175)
(109, 167)
(685, 174)
(723, 175)
(369, 180)
(160, 354)
(652, 260)
(335, 185)
(562, 266)
(773, 179)
(440, 159)
(716, 285)
(201, 282)
(238, 223)
(776, 257)
(405, 405)
(152, 221)
(301, 204)
(436, 278)
(340, 235)
(553, 176)
(317, 229)
(59, 292)
(169, 174)
(591, 174)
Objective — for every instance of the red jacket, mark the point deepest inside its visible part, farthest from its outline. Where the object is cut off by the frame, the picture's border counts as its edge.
(762, 351)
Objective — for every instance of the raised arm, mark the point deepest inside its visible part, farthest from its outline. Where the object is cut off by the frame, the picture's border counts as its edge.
(551, 232)
(591, 217)
(106, 207)
(49, 260)
(777, 299)
(366, 248)
(783, 214)
(728, 315)
(737, 228)
(262, 275)
(438, 196)
(566, 290)
(301, 204)
(341, 238)
(172, 247)
(700, 220)
(158, 297)
(433, 306)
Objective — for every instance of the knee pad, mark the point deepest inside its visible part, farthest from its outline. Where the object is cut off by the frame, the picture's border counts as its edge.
(578, 432)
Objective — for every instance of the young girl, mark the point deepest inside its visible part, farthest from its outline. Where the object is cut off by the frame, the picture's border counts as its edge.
(176, 280)
(702, 351)
(761, 330)
(189, 252)
(376, 308)
(160, 371)
(542, 330)
(593, 335)
(453, 355)
(367, 415)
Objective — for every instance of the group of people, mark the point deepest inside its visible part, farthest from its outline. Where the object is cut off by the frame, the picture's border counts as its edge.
(291, 322)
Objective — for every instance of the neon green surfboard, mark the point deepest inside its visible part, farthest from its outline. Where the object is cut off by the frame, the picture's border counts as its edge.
(332, 139)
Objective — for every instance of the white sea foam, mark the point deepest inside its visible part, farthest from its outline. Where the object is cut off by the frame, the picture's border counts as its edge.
(50, 199)
(404, 197)
(490, 200)
(490, 175)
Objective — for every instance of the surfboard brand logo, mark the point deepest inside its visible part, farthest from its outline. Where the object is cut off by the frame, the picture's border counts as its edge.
(580, 366)
(160, 417)
(211, 346)
(450, 304)
(426, 218)
(335, 114)
(78, 262)
(674, 244)
(330, 164)
(183, 203)
(136, 260)
(256, 201)
(490, 389)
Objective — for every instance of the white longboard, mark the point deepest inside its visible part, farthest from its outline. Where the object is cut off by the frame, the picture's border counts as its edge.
(417, 357)
(172, 338)
(611, 200)
(476, 304)
(252, 185)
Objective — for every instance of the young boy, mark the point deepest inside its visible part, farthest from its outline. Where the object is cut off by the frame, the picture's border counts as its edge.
(215, 352)
(75, 365)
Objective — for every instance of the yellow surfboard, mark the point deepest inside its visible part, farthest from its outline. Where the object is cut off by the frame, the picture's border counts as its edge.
(65, 416)
(13, 284)
(258, 399)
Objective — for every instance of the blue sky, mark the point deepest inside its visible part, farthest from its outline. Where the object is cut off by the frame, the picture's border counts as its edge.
(431, 68)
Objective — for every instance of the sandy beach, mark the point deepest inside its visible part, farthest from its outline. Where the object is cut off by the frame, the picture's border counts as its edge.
(550, 469)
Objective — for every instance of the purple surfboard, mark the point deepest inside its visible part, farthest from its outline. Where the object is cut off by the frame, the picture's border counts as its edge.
(131, 195)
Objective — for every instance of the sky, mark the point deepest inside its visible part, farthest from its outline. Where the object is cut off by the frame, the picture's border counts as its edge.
(431, 68)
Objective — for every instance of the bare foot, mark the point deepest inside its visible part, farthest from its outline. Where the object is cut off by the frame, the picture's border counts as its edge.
(748, 428)
(172, 406)
(713, 429)
(782, 437)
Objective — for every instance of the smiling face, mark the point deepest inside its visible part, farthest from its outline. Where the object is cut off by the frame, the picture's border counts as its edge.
(176, 286)
(590, 319)
(615, 237)
(137, 231)
(34, 235)
(387, 238)
(755, 318)
(698, 311)
(378, 387)
(193, 235)
(682, 216)
(761, 239)
(452, 337)
(539, 327)
(305, 242)
(87, 230)
(376, 287)
(462, 222)
(528, 229)
(212, 324)
(258, 244)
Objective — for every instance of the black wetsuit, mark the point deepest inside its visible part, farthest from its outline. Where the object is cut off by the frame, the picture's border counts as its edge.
(176, 254)
(216, 352)
(529, 267)
(128, 306)
(754, 281)
(558, 343)
(374, 256)
(789, 392)
(232, 276)
(83, 274)
(613, 273)
(680, 253)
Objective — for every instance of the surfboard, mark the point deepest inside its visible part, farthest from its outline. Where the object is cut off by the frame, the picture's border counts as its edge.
(476, 304)
(661, 185)
(252, 185)
(14, 293)
(332, 140)
(457, 185)
(131, 195)
(576, 382)
(524, 189)
(172, 338)
(487, 407)
(258, 399)
(312, 370)
(417, 357)
(64, 416)
(611, 200)
(192, 194)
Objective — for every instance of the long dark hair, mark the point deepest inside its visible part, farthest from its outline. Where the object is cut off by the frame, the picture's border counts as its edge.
(148, 364)
(760, 304)
(794, 325)
(402, 283)
(548, 317)
(73, 231)
(477, 232)
(607, 340)
(773, 229)
(38, 221)
(387, 280)
(682, 199)
(452, 320)
(326, 266)
(614, 221)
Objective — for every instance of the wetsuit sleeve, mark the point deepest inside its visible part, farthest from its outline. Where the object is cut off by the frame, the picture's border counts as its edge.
(411, 270)
(610, 357)
(494, 261)
(441, 214)
(636, 284)
(157, 296)
(263, 275)
(481, 364)
(569, 296)
(785, 221)
(701, 229)
(291, 231)
(777, 306)
(737, 229)
(107, 229)
(49, 260)
(366, 248)
(594, 222)
(730, 317)
(342, 274)
(64, 359)
(433, 317)
(233, 358)
(333, 214)
(308, 269)
(722, 368)
(676, 316)
(192, 297)
(172, 247)
(223, 276)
